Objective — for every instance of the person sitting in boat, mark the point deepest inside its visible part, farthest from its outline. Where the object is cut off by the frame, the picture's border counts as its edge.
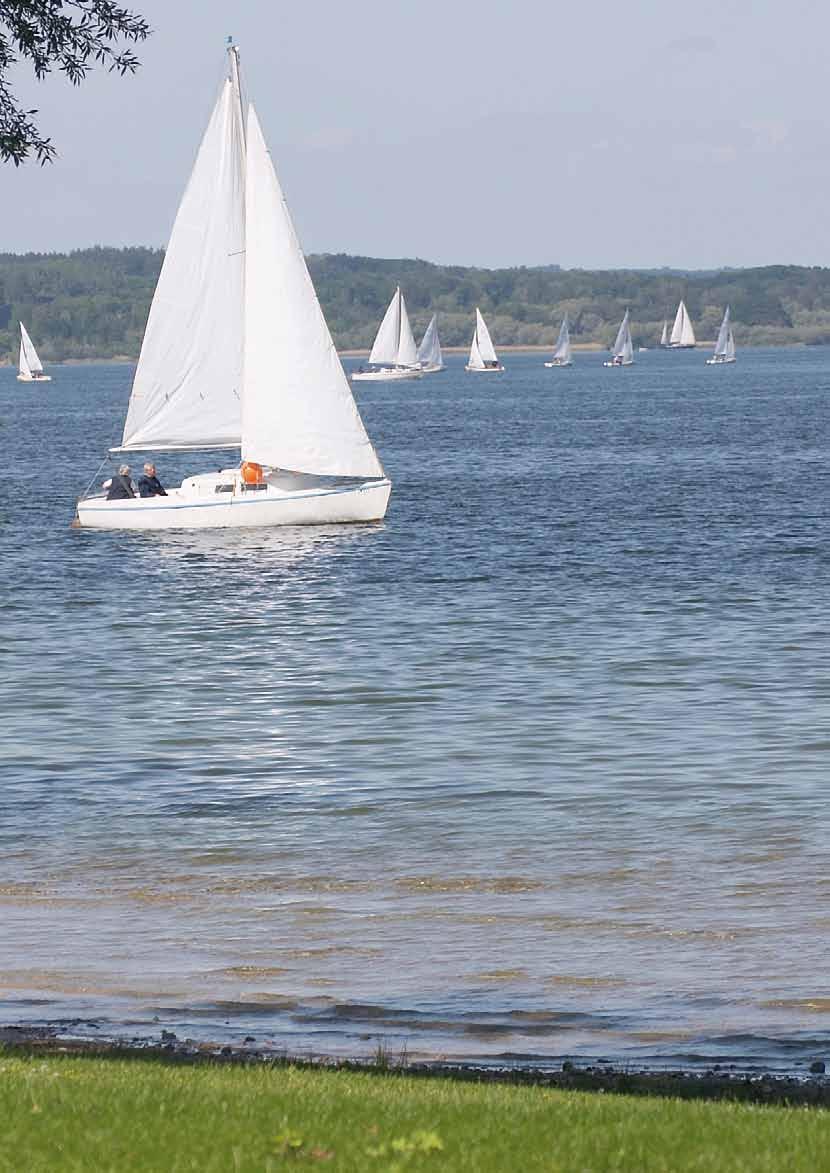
(120, 485)
(149, 485)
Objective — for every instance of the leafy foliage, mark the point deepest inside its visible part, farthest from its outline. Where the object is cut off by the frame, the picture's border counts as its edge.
(71, 35)
(94, 303)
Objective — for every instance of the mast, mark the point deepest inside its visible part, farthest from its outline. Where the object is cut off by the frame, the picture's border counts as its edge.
(235, 78)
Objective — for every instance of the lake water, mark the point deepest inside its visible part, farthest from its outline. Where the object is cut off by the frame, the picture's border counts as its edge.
(538, 768)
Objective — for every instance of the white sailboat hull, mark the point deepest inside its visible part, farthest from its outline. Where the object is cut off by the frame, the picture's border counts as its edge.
(432, 368)
(610, 362)
(34, 378)
(386, 375)
(198, 504)
(559, 362)
(718, 361)
(483, 370)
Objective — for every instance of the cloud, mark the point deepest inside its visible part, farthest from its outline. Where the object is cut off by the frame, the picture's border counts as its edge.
(692, 44)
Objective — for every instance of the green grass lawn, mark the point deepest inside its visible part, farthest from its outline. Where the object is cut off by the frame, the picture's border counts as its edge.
(75, 1113)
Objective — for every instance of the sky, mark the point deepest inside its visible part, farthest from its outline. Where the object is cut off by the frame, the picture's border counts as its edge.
(591, 135)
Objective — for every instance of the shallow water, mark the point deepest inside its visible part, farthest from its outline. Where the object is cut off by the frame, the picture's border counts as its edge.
(535, 769)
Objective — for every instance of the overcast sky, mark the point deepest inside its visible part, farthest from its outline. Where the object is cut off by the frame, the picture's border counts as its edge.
(595, 134)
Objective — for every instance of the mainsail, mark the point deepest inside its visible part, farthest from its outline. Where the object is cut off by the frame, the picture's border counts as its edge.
(297, 409)
(682, 331)
(186, 391)
(623, 346)
(29, 362)
(562, 353)
(429, 352)
(723, 336)
(394, 342)
(485, 342)
(725, 345)
(664, 337)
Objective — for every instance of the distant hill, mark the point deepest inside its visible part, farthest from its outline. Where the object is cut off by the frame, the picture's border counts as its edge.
(93, 303)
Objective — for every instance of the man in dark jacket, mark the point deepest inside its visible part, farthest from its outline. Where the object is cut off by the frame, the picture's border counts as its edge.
(120, 485)
(149, 485)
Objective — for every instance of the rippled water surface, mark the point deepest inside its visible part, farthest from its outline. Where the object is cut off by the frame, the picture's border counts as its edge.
(536, 768)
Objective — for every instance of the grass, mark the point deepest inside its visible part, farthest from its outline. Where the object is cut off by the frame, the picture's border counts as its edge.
(62, 1113)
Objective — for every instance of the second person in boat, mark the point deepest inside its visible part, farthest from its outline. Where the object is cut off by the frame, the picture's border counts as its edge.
(149, 485)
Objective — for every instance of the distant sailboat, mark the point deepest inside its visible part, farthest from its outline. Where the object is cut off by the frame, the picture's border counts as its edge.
(237, 354)
(483, 355)
(682, 334)
(30, 366)
(623, 352)
(430, 359)
(394, 355)
(562, 354)
(725, 345)
(664, 337)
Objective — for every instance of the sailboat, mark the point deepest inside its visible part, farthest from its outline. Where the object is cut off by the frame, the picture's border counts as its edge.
(394, 355)
(682, 333)
(725, 345)
(30, 367)
(430, 358)
(483, 355)
(664, 337)
(623, 352)
(237, 354)
(562, 354)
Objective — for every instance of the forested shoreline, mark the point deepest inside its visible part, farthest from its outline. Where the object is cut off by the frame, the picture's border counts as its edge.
(93, 303)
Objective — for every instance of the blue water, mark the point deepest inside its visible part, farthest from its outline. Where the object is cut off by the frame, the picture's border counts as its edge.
(535, 769)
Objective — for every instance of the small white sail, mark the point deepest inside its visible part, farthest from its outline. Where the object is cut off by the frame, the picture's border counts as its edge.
(387, 339)
(186, 391)
(30, 364)
(429, 352)
(476, 362)
(395, 343)
(562, 354)
(725, 345)
(623, 346)
(664, 337)
(485, 342)
(723, 335)
(298, 412)
(682, 331)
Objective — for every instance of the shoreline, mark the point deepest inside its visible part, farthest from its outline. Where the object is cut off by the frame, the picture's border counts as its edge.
(716, 1083)
(363, 352)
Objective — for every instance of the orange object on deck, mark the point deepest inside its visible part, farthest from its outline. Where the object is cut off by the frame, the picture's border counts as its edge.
(251, 472)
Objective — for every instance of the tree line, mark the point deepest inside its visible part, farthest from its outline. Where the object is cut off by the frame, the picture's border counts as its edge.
(93, 303)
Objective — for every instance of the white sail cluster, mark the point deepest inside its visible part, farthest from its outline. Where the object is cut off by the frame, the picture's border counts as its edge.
(237, 352)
